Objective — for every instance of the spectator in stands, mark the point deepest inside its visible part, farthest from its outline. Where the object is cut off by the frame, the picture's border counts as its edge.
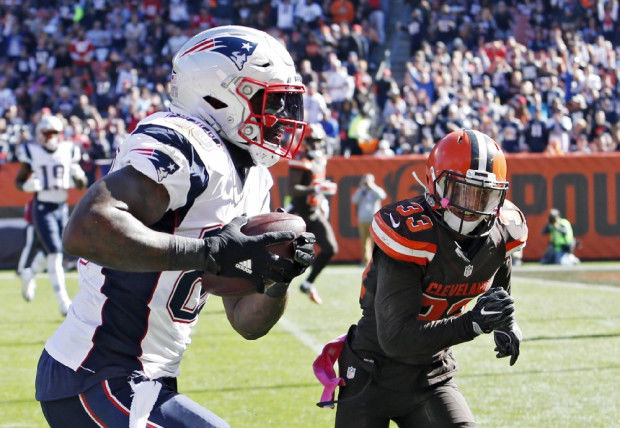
(101, 40)
(315, 106)
(383, 86)
(536, 134)
(562, 243)
(570, 57)
(417, 29)
(174, 42)
(81, 49)
(511, 133)
(600, 125)
(7, 96)
(285, 12)
(309, 12)
(135, 29)
(384, 149)
(503, 19)
(342, 11)
(559, 127)
(178, 13)
(339, 85)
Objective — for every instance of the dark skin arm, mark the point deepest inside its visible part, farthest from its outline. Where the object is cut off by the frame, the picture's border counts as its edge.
(109, 227)
(252, 316)
(22, 175)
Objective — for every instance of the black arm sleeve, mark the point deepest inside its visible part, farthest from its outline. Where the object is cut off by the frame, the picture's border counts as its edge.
(503, 275)
(398, 301)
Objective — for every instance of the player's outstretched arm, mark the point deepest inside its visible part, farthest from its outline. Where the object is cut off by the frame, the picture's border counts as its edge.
(109, 227)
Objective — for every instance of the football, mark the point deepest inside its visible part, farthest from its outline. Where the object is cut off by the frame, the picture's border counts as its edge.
(259, 224)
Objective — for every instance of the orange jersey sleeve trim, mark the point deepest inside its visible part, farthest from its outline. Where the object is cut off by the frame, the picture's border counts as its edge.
(409, 243)
(514, 246)
(397, 250)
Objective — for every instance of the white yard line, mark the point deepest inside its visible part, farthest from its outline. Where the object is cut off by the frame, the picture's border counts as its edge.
(579, 285)
(12, 275)
(301, 335)
(557, 268)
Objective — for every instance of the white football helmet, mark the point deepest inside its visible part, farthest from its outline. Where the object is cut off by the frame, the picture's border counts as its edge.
(242, 82)
(48, 131)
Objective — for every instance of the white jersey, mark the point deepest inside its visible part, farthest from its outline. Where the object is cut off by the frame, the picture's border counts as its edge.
(142, 321)
(52, 169)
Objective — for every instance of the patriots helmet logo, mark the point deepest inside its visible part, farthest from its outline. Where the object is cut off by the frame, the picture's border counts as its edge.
(235, 48)
(164, 165)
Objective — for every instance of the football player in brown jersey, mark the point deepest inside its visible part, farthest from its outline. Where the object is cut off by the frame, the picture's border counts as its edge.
(308, 189)
(434, 254)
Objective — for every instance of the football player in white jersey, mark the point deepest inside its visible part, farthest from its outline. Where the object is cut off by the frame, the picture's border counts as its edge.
(170, 209)
(49, 168)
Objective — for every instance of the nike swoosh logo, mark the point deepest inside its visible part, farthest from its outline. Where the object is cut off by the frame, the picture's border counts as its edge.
(394, 223)
(485, 312)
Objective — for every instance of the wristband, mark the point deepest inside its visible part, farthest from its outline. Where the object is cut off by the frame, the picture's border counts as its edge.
(210, 263)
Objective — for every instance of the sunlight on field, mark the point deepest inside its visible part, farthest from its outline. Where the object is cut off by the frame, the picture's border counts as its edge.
(566, 375)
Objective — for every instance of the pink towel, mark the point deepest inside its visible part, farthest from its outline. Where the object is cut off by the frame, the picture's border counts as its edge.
(323, 368)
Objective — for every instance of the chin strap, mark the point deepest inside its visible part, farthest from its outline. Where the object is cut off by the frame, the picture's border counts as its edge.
(419, 181)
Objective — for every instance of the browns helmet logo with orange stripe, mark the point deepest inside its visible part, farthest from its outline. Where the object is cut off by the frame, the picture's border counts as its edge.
(466, 175)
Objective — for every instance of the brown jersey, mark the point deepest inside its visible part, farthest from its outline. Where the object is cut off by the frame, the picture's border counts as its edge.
(420, 279)
(308, 172)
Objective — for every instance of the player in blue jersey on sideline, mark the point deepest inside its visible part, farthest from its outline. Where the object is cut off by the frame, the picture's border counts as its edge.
(49, 167)
(171, 208)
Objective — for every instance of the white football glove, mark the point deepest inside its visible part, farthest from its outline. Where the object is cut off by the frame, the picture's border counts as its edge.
(33, 184)
(78, 176)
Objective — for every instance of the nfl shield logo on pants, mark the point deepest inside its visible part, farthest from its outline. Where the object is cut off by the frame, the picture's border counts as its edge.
(350, 372)
(468, 270)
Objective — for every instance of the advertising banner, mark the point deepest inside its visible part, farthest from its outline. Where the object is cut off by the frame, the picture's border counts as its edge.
(584, 187)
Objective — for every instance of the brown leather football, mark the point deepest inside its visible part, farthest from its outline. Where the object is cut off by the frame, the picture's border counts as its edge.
(259, 224)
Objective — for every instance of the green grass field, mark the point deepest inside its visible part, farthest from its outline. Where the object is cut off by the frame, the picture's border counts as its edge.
(567, 375)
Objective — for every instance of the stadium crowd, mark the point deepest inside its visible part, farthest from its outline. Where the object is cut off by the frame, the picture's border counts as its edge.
(104, 65)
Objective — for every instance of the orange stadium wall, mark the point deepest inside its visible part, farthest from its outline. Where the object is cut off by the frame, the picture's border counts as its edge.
(585, 188)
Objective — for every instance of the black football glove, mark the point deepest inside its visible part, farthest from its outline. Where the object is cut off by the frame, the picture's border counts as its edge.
(493, 310)
(507, 342)
(287, 269)
(231, 253)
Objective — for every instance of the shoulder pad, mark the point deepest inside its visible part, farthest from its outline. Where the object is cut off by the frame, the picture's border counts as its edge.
(198, 133)
(513, 222)
(404, 231)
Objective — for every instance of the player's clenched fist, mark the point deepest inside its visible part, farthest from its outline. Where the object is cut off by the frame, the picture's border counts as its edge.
(493, 310)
